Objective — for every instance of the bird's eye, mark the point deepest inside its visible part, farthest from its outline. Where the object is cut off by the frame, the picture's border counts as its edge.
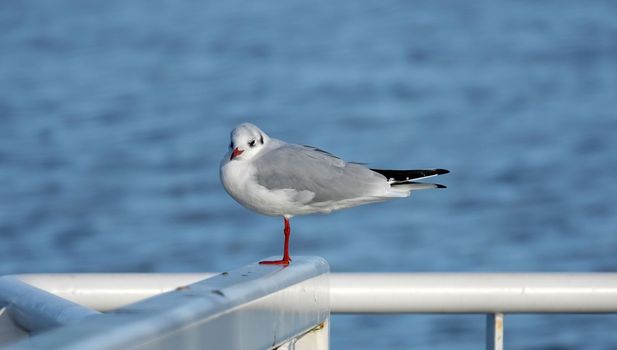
(252, 143)
(231, 145)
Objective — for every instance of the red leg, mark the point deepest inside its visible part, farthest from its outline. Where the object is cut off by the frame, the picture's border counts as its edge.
(286, 259)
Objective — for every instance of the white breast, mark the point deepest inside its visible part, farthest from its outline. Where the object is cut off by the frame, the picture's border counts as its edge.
(239, 181)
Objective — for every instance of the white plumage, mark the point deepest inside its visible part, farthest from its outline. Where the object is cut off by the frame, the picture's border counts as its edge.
(273, 177)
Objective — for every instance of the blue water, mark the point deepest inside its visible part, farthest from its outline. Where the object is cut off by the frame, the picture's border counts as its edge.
(114, 116)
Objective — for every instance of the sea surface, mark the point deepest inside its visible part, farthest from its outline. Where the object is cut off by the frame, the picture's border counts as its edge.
(114, 116)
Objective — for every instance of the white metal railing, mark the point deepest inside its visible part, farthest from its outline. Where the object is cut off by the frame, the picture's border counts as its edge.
(254, 307)
(493, 294)
(35, 309)
(362, 293)
(474, 292)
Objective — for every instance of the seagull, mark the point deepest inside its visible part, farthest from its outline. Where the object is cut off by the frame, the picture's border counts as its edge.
(276, 178)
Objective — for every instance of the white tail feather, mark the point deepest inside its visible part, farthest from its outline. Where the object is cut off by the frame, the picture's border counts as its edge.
(415, 186)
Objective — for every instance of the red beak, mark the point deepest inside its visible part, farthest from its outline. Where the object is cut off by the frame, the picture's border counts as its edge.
(235, 153)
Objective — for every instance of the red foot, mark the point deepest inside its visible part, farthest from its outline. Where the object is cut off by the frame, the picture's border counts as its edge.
(276, 262)
(286, 259)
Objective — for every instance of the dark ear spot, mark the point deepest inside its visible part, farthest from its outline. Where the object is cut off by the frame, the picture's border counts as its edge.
(261, 138)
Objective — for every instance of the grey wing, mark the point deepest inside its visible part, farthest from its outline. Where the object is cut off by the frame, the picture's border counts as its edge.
(304, 168)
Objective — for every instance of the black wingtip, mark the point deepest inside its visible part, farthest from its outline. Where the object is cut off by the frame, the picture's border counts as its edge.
(409, 175)
(440, 186)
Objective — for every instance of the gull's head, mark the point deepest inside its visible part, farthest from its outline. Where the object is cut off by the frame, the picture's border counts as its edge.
(247, 140)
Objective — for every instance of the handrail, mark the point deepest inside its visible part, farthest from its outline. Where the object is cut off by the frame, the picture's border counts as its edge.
(36, 309)
(493, 294)
(474, 292)
(387, 292)
(253, 307)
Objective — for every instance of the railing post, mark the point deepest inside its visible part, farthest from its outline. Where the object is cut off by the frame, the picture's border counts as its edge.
(494, 331)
